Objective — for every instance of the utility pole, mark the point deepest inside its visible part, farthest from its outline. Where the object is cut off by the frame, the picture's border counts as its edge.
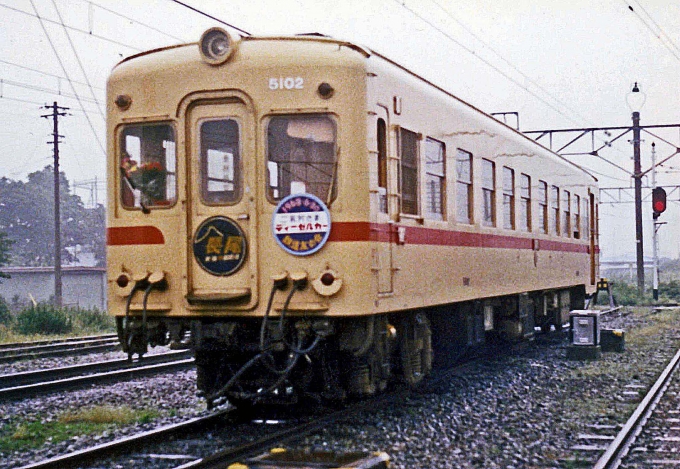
(57, 111)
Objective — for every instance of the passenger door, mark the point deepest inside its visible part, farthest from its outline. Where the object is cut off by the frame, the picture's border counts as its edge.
(221, 215)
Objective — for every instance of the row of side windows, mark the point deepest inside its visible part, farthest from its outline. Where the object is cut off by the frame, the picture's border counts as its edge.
(560, 212)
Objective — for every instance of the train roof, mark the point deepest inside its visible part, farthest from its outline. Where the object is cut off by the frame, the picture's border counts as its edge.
(366, 52)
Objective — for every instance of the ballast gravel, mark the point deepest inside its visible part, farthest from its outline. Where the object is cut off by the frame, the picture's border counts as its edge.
(519, 407)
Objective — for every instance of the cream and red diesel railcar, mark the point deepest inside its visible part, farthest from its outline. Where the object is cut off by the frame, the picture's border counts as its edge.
(324, 220)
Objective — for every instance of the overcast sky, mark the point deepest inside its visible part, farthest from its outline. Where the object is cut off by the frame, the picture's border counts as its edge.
(559, 64)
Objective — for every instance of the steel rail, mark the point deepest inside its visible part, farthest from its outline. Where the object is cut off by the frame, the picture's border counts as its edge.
(34, 343)
(230, 456)
(42, 348)
(96, 378)
(107, 347)
(30, 377)
(625, 438)
(130, 443)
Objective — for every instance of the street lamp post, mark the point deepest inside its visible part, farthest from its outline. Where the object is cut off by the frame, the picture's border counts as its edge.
(637, 170)
(635, 101)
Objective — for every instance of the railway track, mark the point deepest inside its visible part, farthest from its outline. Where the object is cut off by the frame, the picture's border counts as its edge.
(243, 440)
(48, 349)
(133, 447)
(650, 438)
(131, 443)
(36, 343)
(27, 384)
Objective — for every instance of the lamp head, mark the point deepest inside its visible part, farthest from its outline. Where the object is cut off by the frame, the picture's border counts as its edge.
(636, 98)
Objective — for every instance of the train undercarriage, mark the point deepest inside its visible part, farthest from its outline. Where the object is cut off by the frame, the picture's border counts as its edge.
(294, 359)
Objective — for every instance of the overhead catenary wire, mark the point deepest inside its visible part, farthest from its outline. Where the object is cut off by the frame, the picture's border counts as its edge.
(507, 62)
(656, 30)
(132, 20)
(41, 72)
(42, 89)
(507, 76)
(80, 63)
(402, 3)
(207, 15)
(82, 31)
(63, 68)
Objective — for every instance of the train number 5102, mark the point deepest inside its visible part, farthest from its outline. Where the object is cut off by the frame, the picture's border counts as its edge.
(286, 83)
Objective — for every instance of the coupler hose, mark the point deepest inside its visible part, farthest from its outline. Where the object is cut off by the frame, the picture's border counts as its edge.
(265, 355)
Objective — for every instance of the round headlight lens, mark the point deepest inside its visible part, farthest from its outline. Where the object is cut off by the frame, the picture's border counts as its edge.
(216, 46)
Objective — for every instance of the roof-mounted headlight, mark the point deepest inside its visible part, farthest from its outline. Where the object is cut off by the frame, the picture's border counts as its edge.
(216, 46)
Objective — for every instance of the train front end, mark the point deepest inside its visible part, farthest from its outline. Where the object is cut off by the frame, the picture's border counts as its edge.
(227, 192)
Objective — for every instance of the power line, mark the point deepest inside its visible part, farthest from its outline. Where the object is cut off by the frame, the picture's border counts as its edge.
(488, 63)
(659, 33)
(485, 61)
(133, 21)
(82, 31)
(200, 12)
(80, 64)
(498, 54)
(52, 75)
(42, 89)
(63, 68)
(21, 100)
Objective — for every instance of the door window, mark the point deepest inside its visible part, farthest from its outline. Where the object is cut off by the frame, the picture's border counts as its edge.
(220, 162)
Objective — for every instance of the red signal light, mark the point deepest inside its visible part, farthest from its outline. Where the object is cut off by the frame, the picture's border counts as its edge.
(658, 201)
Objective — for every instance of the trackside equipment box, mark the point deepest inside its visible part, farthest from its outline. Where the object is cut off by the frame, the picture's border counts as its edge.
(280, 458)
(584, 331)
(613, 340)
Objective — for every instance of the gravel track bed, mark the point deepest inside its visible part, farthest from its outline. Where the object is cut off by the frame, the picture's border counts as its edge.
(519, 409)
(172, 395)
(523, 410)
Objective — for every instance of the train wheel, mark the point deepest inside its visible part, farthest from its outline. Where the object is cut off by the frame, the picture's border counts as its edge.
(415, 348)
(369, 372)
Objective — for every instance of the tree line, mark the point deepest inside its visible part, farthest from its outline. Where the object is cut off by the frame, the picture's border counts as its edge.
(27, 222)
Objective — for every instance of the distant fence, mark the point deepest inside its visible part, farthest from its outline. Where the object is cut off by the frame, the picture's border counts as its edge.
(83, 287)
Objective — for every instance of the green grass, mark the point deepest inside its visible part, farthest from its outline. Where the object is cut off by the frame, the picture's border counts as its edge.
(23, 436)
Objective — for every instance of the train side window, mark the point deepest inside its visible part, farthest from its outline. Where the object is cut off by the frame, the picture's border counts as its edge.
(220, 161)
(148, 166)
(525, 203)
(577, 216)
(555, 210)
(566, 213)
(543, 206)
(382, 164)
(464, 186)
(435, 178)
(488, 193)
(301, 151)
(508, 198)
(408, 147)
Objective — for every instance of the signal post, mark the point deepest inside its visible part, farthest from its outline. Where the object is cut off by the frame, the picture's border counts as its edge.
(658, 207)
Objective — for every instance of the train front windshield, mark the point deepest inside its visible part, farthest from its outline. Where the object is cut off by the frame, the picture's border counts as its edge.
(302, 158)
